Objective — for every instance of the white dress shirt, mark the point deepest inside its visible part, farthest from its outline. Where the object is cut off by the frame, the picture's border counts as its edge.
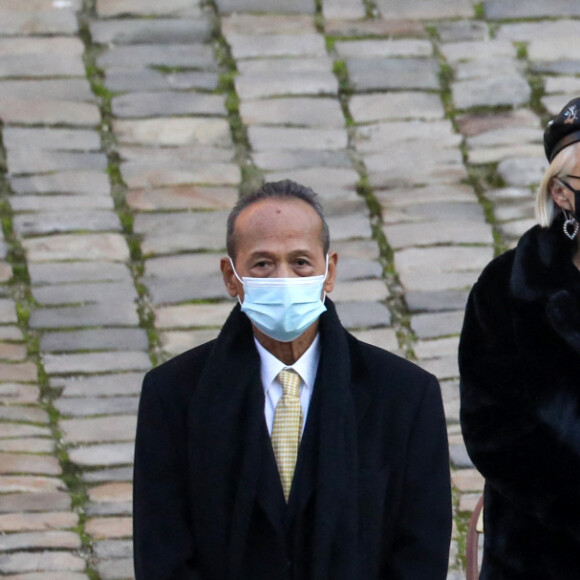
(306, 366)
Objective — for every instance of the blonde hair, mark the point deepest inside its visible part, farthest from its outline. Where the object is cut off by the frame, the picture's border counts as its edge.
(561, 166)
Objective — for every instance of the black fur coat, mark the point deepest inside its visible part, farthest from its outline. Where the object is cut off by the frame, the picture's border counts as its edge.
(519, 359)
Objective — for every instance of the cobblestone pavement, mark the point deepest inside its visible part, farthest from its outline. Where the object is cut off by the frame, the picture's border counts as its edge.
(129, 129)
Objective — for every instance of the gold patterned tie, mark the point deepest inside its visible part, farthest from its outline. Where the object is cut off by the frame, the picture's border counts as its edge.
(287, 428)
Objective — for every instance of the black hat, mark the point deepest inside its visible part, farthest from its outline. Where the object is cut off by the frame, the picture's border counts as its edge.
(563, 129)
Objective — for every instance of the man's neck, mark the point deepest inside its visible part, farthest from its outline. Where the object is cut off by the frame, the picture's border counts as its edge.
(288, 352)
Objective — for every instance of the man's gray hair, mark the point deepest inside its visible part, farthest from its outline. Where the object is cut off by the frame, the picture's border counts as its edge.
(286, 189)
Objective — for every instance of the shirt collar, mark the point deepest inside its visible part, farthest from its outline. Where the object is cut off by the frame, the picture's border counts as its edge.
(306, 366)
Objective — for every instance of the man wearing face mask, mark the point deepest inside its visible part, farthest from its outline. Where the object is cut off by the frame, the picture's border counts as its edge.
(286, 449)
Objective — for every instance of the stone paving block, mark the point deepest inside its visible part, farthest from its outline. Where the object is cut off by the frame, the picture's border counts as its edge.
(421, 212)
(459, 457)
(301, 159)
(432, 300)
(109, 454)
(19, 562)
(44, 112)
(115, 569)
(46, 203)
(110, 509)
(496, 154)
(108, 549)
(107, 292)
(348, 227)
(35, 501)
(211, 174)
(271, 66)
(310, 112)
(27, 445)
(279, 45)
(170, 233)
(77, 89)
(498, 90)
(425, 349)
(109, 8)
(136, 158)
(93, 183)
(363, 314)
(174, 132)
(40, 540)
(124, 314)
(266, 23)
(385, 338)
(522, 171)
(182, 197)
(546, 29)
(462, 30)
(183, 288)
(65, 272)
(95, 362)
(284, 83)
(380, 136)
(108, 475)
(101, 528)
(517, 228)
(83, 406)
(553, 50)
(555, 103)
(500, 10)
(7, 311)
(29, 484)
(153, 31)
(565, 67)
(95, 339)
(177, 342)
(51, 222)
(27, 161)
(193, 265)
(25, 414)
(362, 290)
(284, 138)
(12, 333)
(395, 73)
(107, 385)
(18, 372)
(48, 576)
(192, 315)
(130, 79)
(24, 463)
(432, 325)
(50, 138)
(99, 429)
(426, 9)
(39, 65)
(15, 393)
(189, 56)
(472, 125)
(86, 247)
(514, 212)
(28, 522)
(23, 430)
(343, 9)
(396, 106)
(488, 68)
(439, 232)
(455, 52)
(375, 27)
(165, 103)
(467, 480)
(298, 6)
(46, 22)
(12, 352)
(383, 48)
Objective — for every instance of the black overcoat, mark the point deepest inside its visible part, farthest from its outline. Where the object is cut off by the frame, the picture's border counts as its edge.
(371, 494)
(519, 359)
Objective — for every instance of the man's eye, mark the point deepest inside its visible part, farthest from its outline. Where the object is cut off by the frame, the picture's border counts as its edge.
(302, 262)
(260, 264)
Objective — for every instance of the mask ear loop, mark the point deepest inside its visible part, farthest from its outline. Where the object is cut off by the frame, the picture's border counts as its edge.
(324, 280)
(236, 275)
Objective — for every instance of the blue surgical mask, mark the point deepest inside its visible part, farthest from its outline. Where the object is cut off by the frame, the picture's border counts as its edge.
(283, 308)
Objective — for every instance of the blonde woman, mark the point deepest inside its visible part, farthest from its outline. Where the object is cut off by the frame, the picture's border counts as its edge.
(519, 358)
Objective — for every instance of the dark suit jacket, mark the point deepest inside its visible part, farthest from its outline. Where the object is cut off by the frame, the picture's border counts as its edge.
(371, 492)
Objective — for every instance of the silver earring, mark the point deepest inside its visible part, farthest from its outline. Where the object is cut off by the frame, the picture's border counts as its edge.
(571, 226)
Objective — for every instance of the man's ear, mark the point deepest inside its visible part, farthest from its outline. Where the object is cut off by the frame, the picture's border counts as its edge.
(560, 195)
(229, 277)
(331, 276)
